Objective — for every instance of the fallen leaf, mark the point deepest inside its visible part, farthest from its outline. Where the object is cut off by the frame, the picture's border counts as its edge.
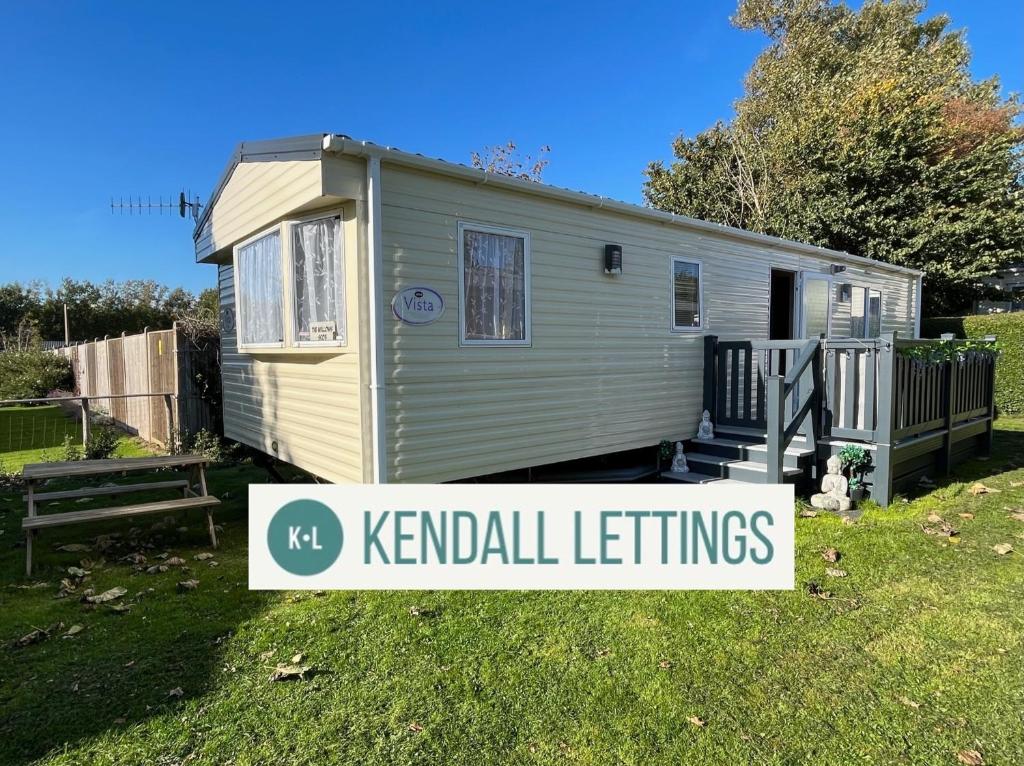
(77, 572)
(970, 758)
(831, 555)
(291, 673)
(267, 655)
(175, 561)
(134, 558)
(298, 658)
(203, 556)
(1017, 516)
(953, 539)
(1003, 548)
(934, 518)
(107, 595)
(665, 664)
(120, 608)
(835, 572)
(602, 653)
(157, 569)
(74, 630)
(909, 702)
(1017, 483)
(415, 727)
(696, 721)
(967, 516)
(73, 548)
(980, 489)
(807, 513)
(37, 635)
(176, 692)
(187, 585)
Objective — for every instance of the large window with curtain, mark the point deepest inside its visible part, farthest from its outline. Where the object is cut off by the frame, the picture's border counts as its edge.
(318, 281)
(687, 309)
(494, 285)
(260, 292)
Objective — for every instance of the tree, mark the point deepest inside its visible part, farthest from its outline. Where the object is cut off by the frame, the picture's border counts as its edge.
(862, 130)
(506, 160)
(94, 310)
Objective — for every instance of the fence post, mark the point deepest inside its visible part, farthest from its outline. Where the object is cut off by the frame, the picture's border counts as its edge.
(950, 384)
(169, 406)
(775, 404)
(85, 422)
(881, 491)
(991, 398)
(177, 383)
(710, 374)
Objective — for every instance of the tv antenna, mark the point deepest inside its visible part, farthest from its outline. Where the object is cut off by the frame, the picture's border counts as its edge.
(139, 206)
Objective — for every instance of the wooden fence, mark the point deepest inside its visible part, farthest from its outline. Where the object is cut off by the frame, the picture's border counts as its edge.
(123, 377)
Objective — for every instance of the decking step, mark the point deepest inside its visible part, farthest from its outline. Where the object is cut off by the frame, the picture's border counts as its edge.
(731, 468)
(96, 514)
(796, 454)
(751, 435)
(695, 477)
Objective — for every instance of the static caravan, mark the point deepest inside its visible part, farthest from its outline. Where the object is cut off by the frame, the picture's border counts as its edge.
(387, 317)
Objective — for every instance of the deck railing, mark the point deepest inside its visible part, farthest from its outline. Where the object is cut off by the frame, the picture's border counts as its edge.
(916, 415)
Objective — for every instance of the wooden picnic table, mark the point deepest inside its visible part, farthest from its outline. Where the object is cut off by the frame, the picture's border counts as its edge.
(195, 465)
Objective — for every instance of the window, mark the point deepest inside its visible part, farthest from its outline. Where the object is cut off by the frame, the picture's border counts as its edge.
(494, 277)
(686, 295)
(260, 292)
(865, 313)
(318, 281)
(858, 303)
(873, 326)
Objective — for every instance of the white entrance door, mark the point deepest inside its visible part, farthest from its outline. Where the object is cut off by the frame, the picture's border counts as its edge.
(815, 304)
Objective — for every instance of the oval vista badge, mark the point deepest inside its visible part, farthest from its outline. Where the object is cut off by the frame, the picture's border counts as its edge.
(417, 305)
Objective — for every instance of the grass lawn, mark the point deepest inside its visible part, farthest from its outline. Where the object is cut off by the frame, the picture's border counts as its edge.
(35, 434)
(918, 655)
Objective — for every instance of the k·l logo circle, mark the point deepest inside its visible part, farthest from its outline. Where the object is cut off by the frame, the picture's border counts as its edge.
(305, 537)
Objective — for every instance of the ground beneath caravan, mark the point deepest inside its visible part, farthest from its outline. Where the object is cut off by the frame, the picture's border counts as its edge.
(917, 655)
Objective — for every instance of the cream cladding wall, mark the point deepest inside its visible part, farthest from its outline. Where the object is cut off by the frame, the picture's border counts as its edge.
(309, 404)
(604, 372)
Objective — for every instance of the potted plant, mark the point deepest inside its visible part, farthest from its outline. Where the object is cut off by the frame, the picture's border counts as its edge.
(664, 453)
(855, 460)
(856, 489)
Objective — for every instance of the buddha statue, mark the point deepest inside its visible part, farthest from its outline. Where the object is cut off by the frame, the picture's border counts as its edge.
(834, 486)
(705, 430)
(679, 460)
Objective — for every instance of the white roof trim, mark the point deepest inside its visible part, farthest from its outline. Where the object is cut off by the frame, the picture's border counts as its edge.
(304, 147)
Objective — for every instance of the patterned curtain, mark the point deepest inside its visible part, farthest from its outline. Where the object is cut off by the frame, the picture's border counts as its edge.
(318, 271)
(260, 291)
(495, 284)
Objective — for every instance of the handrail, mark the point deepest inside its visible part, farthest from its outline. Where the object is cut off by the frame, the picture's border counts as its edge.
(782, 429)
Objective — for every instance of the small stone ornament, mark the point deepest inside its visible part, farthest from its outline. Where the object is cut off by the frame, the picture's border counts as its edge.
(833, 488)
(705, 429)
(679, 460)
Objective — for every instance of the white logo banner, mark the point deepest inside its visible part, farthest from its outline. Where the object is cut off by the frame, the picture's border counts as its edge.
(521, 536)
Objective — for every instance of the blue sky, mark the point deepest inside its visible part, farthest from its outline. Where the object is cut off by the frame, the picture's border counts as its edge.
(127, 98)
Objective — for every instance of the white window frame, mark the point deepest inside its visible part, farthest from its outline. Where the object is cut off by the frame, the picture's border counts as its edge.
(805, 277)
(341, 324)
(702, 327)
(867, 310)
(291, 344)
(865, 307)
(527, 340)
(239, 317)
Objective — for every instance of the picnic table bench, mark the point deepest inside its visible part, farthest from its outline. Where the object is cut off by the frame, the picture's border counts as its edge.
(35, 473)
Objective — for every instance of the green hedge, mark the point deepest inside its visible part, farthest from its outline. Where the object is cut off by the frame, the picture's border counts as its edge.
(1009, 332)
(32, 374)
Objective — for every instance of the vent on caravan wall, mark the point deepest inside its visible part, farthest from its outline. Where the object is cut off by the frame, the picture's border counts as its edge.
(613, 259)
